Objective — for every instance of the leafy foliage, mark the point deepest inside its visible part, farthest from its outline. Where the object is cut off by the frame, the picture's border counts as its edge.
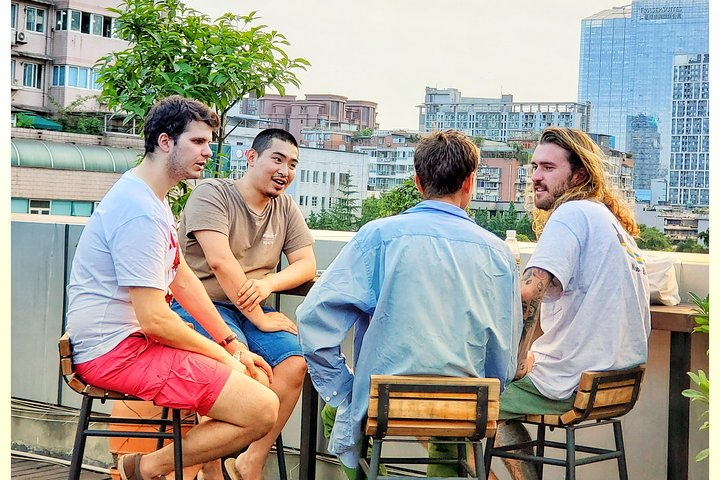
(690, 246)
(178, 50)
(653, 239)
(342, 216)
(501, 222)
(702, 393)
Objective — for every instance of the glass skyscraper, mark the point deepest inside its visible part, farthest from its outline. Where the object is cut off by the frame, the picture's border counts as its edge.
(626, 71)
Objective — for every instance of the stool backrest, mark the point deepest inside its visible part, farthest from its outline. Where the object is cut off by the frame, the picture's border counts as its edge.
(73, 380)
(604, 395)
(432, 406)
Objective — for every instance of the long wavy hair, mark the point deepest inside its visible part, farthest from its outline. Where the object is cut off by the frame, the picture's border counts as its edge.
(582, 153)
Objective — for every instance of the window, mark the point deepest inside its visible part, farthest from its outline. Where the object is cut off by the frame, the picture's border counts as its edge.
(75, 18)
(58, 75)
(61, 18)
(313, 202)
(40, 207)
(302, 177)
(33, 75)
(324, 177)
(97, 25)
(332, 178)
(35, 19)
(13, 15)
(330, 202)
(302, 200)
(322, 202)
(12, 72)
(315, 176)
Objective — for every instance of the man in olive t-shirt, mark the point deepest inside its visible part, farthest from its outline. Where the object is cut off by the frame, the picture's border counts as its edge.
(233, 234)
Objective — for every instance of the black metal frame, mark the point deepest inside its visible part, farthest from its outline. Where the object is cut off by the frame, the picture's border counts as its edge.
(571, 461)
(84, 431)
(384, 389)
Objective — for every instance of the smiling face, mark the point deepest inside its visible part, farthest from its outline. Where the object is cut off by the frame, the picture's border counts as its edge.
(190, 152)
(273, 170)
(552, 175)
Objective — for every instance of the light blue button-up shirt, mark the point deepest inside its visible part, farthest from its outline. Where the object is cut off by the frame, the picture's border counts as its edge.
(428, 292)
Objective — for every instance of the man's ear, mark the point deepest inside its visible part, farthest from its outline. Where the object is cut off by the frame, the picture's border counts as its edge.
(164, 142)
(579, 176)
(468, 183)
(251, 155)
(417, 184)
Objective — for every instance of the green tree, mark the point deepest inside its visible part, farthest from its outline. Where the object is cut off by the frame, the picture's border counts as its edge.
(344, 209)
(519, 153)
(653, 239)
(478, 140)
(482, 217)
(524, 228)
(705, 237)
(365, 132)
(690, 246)
(178, 50)
(400, 198)
(370, 210)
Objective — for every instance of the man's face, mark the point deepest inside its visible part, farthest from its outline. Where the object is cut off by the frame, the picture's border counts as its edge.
(273, 170)
(189, 154)
(551, 174)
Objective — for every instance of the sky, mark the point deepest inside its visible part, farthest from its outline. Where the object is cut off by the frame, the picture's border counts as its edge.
(388, 51)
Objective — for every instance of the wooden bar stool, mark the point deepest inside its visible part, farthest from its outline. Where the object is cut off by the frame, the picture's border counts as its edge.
(91, 393)
(413, 408)
(602, 398)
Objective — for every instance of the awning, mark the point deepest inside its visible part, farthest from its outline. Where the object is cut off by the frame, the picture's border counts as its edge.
(69, 156)
(27, 119)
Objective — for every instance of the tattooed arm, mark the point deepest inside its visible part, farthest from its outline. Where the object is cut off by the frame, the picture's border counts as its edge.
(535, 284)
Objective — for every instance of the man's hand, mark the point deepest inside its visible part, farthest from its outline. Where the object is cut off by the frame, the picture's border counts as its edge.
(256, 366)
(276, 322)
(525, 367)
(252, 293)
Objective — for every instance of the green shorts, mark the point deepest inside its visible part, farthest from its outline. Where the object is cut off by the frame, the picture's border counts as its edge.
(521, 398)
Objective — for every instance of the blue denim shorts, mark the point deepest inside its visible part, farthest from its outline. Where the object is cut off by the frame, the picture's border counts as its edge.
(274, 347)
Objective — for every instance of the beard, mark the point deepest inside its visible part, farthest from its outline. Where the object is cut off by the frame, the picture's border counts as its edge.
(551, 196)
(178, 170)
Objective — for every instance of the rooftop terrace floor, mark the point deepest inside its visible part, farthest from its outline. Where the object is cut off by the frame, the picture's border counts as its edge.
(31, 468)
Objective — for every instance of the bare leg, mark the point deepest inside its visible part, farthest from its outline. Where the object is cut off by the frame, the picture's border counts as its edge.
(244, 412)
(287, 383)
(510, 432)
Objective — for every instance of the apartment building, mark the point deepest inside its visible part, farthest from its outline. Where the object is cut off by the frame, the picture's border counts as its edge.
(53, 48)
(498, 119)
(328, 112)
(391, 155)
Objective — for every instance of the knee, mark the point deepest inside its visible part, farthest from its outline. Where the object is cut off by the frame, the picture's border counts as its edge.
(293, 369)
(267, 415)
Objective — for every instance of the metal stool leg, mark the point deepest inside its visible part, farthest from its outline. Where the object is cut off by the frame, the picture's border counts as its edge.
(80, 439)
(375, 460)
(488, 454)
(163, 428)
(540, 450)
(620, 446)
(177, 443)
(280, 453)
(570, 453)
(479, 464)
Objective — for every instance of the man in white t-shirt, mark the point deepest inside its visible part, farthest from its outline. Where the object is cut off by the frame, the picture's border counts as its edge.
(589, 276)
(123, 333)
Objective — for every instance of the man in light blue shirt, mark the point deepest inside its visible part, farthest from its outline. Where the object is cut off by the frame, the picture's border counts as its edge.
(427, 292)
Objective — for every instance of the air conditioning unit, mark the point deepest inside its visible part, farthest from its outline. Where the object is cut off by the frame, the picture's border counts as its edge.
(21, 37)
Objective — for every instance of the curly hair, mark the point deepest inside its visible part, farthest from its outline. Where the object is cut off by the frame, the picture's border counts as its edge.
(582, 153)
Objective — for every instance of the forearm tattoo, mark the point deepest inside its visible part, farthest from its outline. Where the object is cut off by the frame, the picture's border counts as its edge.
(540, 282)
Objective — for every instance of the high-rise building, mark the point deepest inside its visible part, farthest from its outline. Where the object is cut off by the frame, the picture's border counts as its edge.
(626, 56)
(498, 119)
(689, 170)
(391, 157)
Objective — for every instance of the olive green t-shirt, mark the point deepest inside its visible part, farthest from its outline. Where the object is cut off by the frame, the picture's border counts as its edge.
(256, 240)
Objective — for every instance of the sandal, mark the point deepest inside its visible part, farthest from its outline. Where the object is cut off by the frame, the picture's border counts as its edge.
(232, 471)
(129, 467)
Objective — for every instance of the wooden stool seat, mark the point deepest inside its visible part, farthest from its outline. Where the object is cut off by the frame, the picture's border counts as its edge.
(448, 409)
(601, 398)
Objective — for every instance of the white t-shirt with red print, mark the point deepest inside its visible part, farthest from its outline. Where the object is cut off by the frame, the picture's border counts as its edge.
(130, 241)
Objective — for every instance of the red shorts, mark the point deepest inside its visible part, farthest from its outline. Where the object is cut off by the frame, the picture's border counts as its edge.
(150, 370)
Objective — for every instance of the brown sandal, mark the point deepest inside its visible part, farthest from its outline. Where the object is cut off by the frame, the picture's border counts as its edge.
(129, 466)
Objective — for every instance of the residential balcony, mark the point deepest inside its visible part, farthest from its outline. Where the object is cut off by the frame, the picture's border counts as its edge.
(44, 410)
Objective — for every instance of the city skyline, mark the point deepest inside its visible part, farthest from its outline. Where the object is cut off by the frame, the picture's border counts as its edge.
(361, 50)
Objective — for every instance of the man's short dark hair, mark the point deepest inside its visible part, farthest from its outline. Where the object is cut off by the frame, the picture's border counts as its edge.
(172, 115)
(264, 139)
(443, 160)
